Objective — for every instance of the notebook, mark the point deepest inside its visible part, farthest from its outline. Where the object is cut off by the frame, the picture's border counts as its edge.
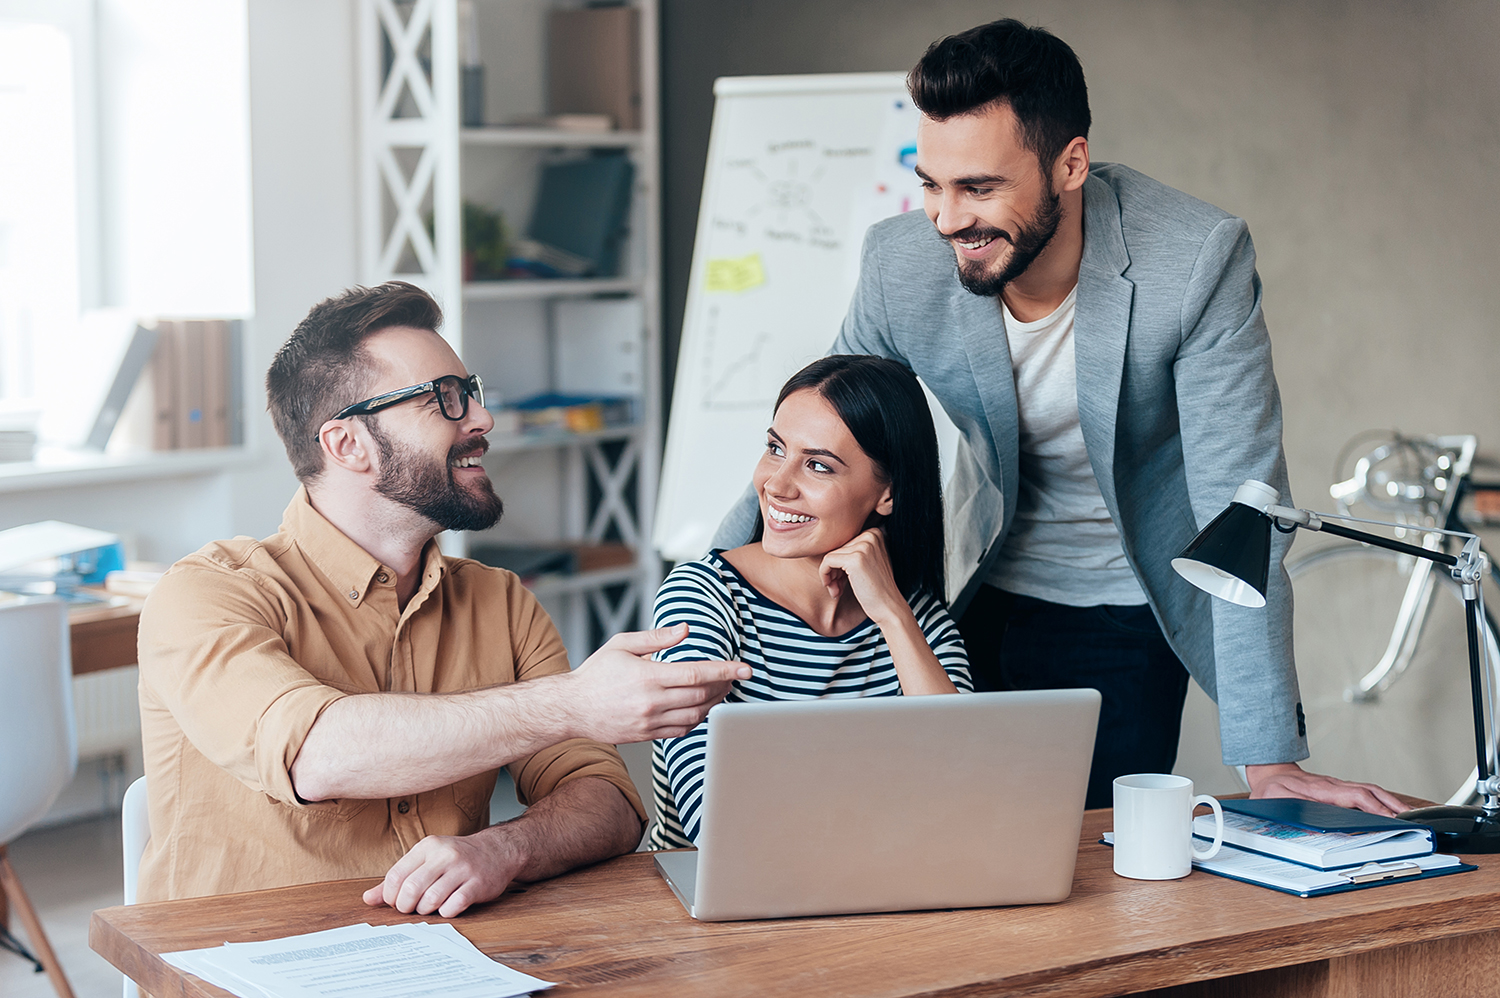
(837, 806)
(1310, 833)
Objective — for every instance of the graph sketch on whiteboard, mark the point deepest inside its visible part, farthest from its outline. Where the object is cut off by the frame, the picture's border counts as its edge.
(734, 373)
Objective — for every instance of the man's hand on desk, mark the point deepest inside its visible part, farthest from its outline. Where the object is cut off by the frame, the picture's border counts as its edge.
(1287, 779)
(447, 873)
(583, 821)
(625, 697)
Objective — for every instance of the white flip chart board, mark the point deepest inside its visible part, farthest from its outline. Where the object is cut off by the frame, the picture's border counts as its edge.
(798, 168)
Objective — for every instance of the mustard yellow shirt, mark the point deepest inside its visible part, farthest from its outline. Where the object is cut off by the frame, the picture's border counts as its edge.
(244, 643)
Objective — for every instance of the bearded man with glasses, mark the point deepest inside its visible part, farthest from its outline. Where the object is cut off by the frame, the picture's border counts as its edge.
(335, 701)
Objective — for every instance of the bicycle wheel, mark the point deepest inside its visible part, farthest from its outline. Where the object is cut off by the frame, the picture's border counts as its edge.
(1413, 734)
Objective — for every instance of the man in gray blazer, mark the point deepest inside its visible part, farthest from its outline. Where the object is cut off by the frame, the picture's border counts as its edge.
(1097, 338)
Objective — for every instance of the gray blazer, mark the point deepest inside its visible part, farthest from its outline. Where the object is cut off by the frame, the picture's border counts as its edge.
(1178, 406)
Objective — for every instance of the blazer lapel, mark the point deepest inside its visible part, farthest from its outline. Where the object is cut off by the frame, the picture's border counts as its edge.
(989, 358)
(1101, 324)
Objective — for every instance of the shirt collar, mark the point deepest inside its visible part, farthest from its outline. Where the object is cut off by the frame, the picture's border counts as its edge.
(350, 568)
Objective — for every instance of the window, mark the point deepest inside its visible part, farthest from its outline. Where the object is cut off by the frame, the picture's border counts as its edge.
(124, 188)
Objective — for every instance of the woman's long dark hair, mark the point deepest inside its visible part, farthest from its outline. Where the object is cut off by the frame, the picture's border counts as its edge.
(883, 406)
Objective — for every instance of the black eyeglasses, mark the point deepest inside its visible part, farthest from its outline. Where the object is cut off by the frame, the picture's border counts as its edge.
(453, 394)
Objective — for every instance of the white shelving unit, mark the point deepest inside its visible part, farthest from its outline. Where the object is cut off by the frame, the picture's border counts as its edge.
(417, 167)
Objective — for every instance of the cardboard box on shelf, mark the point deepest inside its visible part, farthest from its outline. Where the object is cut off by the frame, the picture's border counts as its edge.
(594, 63)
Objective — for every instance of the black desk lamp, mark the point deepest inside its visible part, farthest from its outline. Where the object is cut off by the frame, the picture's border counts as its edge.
(1231, 559)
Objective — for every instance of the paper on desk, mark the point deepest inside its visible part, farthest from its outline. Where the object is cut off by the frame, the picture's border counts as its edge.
(1256, 868)
(1294, 877)
(388, 961)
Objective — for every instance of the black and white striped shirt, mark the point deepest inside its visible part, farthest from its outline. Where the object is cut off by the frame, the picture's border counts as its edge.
(728, 618)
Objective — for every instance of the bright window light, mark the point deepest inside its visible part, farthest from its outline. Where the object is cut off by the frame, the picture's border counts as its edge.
(38, 207)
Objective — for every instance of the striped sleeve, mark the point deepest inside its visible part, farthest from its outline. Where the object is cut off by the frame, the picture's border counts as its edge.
(692, 594)
(943, 638)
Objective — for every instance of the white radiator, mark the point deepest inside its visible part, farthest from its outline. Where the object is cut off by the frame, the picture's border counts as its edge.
(108, 713)
(108, 716)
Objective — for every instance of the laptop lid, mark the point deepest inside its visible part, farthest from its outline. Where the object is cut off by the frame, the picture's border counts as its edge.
(817, 807)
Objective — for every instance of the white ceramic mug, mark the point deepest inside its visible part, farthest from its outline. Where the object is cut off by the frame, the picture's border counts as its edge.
(1154, 826)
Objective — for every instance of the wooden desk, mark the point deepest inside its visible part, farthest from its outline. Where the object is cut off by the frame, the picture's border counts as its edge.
(103, 637)
(616, 930)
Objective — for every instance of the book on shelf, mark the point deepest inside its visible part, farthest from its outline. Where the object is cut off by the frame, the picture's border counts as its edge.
(195, 379)
(557, 413)
(1316, 835)
(531, 561)
(582, 211)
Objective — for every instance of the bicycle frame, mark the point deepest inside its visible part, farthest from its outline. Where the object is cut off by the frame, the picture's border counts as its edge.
(1417, 599)
(1416, 602)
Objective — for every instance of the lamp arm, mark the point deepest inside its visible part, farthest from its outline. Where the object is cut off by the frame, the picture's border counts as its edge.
(1467, 568)
(1309, 520)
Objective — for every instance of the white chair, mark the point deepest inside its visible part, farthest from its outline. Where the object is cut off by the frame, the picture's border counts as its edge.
(38, 743)
(135, 826)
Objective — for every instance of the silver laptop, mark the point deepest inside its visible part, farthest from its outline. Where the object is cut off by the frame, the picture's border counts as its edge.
(823, 807)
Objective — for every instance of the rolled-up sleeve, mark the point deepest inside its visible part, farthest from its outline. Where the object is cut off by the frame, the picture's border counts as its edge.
(212, 651)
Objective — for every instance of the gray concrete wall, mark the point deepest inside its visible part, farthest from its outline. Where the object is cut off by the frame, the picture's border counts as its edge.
(1360, 140)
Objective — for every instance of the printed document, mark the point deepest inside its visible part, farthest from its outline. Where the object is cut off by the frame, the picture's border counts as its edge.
(417, 960)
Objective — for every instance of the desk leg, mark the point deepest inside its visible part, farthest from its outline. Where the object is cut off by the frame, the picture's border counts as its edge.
(1458, 965)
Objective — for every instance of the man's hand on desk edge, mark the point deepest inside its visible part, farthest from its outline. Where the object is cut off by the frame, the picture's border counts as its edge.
(447, 873)
(1287, 779)
(583, 821)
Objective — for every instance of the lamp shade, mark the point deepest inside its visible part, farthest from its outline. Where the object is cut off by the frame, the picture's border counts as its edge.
(1231, 557)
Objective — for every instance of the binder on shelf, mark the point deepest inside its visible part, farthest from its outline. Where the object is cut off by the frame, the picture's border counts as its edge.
(195, 372)
(136, 359)
(164, 388)
(583, 209)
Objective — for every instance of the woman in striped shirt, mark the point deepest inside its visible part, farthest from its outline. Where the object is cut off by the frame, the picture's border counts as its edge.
(841, 594)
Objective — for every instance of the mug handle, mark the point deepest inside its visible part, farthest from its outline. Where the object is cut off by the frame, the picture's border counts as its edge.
(1212, 850)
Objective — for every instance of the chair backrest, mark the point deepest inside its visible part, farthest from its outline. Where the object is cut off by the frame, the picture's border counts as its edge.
(38, 741)
(135, 825)
(135, 828)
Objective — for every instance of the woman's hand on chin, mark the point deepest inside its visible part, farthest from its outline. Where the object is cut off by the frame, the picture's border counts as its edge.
(864, 565)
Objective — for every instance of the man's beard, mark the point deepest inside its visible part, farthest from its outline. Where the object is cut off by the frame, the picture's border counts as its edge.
(1027, 243)
(428, 488)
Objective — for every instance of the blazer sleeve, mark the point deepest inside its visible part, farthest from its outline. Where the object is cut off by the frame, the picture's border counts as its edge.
(1229, 412)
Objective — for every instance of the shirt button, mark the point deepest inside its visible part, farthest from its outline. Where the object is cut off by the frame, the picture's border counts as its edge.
(354, 594)
(403, 807)
(382, 577)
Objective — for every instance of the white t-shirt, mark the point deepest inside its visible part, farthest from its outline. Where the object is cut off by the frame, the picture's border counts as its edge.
(1063, 546)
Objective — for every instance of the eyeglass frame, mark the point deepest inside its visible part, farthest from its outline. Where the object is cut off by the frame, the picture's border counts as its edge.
(470, 387)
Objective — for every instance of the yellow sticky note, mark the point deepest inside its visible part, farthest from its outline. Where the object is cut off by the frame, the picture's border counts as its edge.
(735, 273)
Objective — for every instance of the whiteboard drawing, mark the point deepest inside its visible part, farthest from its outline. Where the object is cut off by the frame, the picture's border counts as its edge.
(736, 374)
(798, 168)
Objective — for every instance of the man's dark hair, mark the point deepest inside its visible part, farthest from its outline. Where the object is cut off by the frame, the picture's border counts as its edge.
(323, 366)
(882, 404)
(1030, 69)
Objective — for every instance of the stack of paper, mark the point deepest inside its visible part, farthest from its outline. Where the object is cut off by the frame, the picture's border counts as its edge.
(386, 961)
(17, 435)
(1304, 881)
